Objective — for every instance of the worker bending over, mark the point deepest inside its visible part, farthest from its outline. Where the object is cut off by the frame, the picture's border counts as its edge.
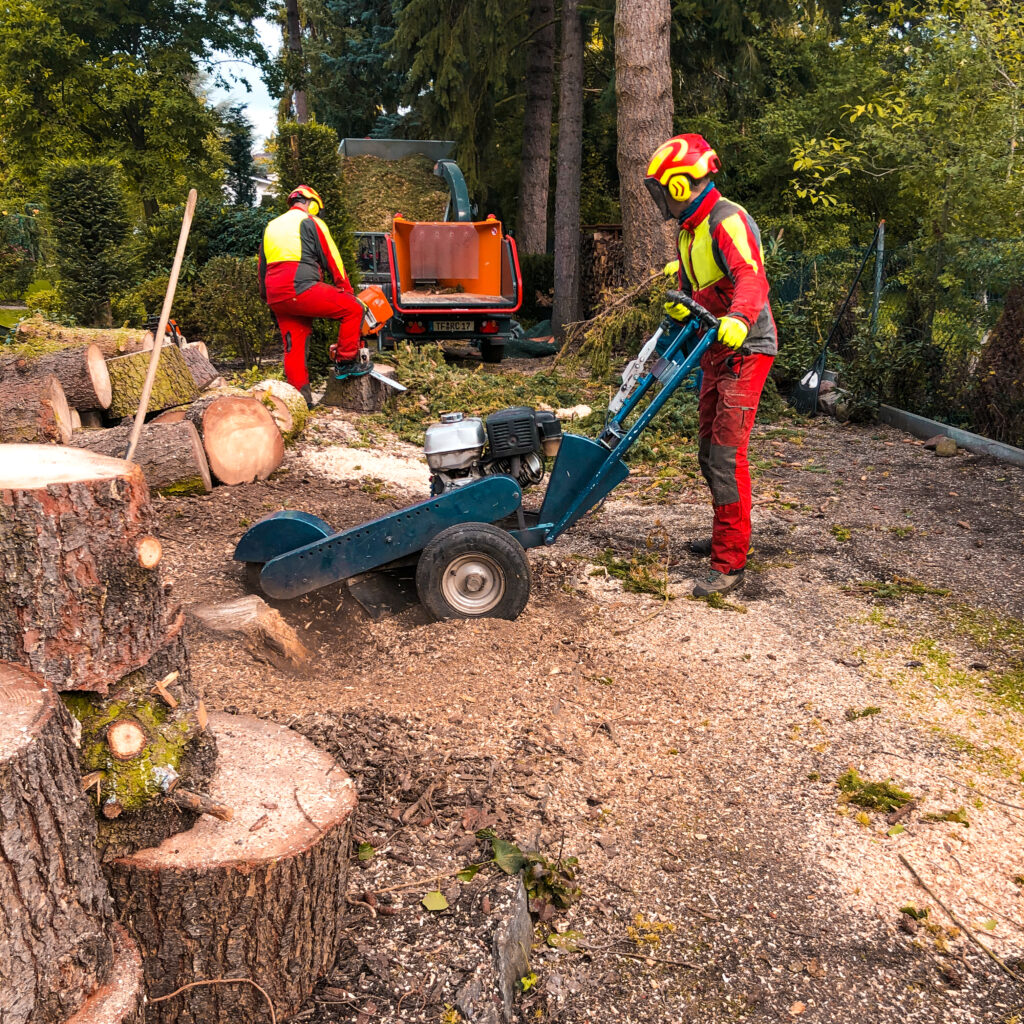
(296, 254)
(721, 265)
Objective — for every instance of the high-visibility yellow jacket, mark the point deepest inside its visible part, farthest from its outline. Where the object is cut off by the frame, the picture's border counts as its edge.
(297, 252)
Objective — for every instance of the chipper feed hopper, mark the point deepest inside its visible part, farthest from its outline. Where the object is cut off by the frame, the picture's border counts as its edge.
(467, 543)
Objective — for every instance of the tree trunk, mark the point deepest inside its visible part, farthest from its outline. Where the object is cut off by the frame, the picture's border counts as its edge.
(34, 411)
(171, 454)
(260, 896)
(39, 335)
(643, 92)
(360, 394)
(240, 437)
(75, 603)
(566, 306)
(295, 49)
(121, 998)
(81, 371)
(535, 166)
(269, 636)
(173, 384)
(55, 914)
(159, 707)
(285, 404)
(202, 370)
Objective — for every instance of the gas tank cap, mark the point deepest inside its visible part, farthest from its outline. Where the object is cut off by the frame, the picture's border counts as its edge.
(452, 417)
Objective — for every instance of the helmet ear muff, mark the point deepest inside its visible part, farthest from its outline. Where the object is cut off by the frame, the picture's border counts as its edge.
(313, 207)
(679, 187)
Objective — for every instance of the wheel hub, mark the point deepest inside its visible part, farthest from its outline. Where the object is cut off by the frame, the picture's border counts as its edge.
(473, 584)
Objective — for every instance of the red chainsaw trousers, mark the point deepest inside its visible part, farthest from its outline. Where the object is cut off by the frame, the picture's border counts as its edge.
(295, 318)
(732, 387)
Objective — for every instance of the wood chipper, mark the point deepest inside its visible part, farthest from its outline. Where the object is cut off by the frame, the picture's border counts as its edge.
(457, 279)
(467, 543)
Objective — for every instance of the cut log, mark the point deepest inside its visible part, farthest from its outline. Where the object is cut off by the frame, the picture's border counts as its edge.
(56, 914)
(173, 384)
(223, 901)
(200, 346)
(171, 454)
(269, 637)
(82, 372)
(34, 410)
(175, 415)
(241, 440)
(202, 370)
(144, 746)
(149, 551)
(76, 421)
(42, 335)
(286, 405)
(75, 604)
(121, 998)
(360, 394)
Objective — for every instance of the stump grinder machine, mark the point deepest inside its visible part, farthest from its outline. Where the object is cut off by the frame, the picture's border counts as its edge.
(464, 548)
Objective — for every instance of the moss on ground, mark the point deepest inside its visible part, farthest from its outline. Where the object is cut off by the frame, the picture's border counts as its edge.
(896, 589)
(643, 573)
(875, 796)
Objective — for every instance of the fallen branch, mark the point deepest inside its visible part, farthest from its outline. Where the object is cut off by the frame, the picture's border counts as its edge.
(967, 931)
(199, 804)
(577, 330)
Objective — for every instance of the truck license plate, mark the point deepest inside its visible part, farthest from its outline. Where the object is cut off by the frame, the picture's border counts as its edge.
(453, 325)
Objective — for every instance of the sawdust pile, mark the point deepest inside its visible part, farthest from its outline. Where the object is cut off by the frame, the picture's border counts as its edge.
(378, 189)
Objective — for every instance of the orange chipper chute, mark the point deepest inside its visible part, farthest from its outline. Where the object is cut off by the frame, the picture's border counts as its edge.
(378, 310)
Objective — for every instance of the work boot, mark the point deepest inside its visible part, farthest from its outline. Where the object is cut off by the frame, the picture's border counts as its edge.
(307, 395)
(702, 548)
(718, 583)
(351, 368)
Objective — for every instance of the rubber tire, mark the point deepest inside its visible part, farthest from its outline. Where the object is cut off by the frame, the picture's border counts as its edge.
(492, 352)
(465, 539)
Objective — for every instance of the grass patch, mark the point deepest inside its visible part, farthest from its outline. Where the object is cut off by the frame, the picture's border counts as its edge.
(718, 602)
(841, 533)
(852, 714)
(957, 817)
(1009, 688)
(875, 796)
(643, 573)
(896, 589)
(902, 531)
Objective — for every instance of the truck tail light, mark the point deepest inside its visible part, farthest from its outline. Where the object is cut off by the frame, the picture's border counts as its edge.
(415, 327)
(489, 327)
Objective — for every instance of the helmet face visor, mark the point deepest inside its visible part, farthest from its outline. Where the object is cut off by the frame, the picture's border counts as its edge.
(660, 197)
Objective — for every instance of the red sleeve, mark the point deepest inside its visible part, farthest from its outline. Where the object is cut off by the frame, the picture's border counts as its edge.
(739, 243)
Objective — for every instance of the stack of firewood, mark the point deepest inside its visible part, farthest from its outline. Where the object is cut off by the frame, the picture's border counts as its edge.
(81, 387)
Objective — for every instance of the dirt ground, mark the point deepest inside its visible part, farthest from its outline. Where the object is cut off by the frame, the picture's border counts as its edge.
(688, 756)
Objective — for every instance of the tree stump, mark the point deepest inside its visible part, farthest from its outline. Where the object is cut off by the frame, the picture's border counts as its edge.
(55, 913)
(257, 897)
(82, 372)
(241, 440)
(144, 739)
(121, 998)
(34, 411)
(360, 394)
(75, 603)
(173, 384)
(170, 453)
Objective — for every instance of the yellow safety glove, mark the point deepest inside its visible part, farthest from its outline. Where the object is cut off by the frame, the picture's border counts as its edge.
(676, 310)
(732, 331)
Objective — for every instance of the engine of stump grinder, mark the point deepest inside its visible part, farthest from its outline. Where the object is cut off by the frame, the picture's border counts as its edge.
(513, 442)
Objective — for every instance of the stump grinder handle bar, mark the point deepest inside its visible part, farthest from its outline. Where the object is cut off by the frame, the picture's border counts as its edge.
(705, 316)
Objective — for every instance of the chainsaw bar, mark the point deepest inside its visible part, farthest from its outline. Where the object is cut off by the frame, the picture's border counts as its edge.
(387, 380)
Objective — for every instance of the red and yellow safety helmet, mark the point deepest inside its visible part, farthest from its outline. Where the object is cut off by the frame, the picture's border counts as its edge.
(307, 194)
(674, 167)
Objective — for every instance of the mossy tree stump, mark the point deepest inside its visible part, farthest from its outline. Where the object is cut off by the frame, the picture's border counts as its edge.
(260, 896)
(360, 394)
(77, 604)
(55, 912)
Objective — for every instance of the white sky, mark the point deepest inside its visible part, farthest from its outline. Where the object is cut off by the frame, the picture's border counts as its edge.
(259, 107)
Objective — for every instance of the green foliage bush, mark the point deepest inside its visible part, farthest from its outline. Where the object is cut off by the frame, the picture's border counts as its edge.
(90, 221)
(229, 313)
(307, 154)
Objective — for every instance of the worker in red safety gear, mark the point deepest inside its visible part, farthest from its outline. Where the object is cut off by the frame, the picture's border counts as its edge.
(721, 265)
(296, 255)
